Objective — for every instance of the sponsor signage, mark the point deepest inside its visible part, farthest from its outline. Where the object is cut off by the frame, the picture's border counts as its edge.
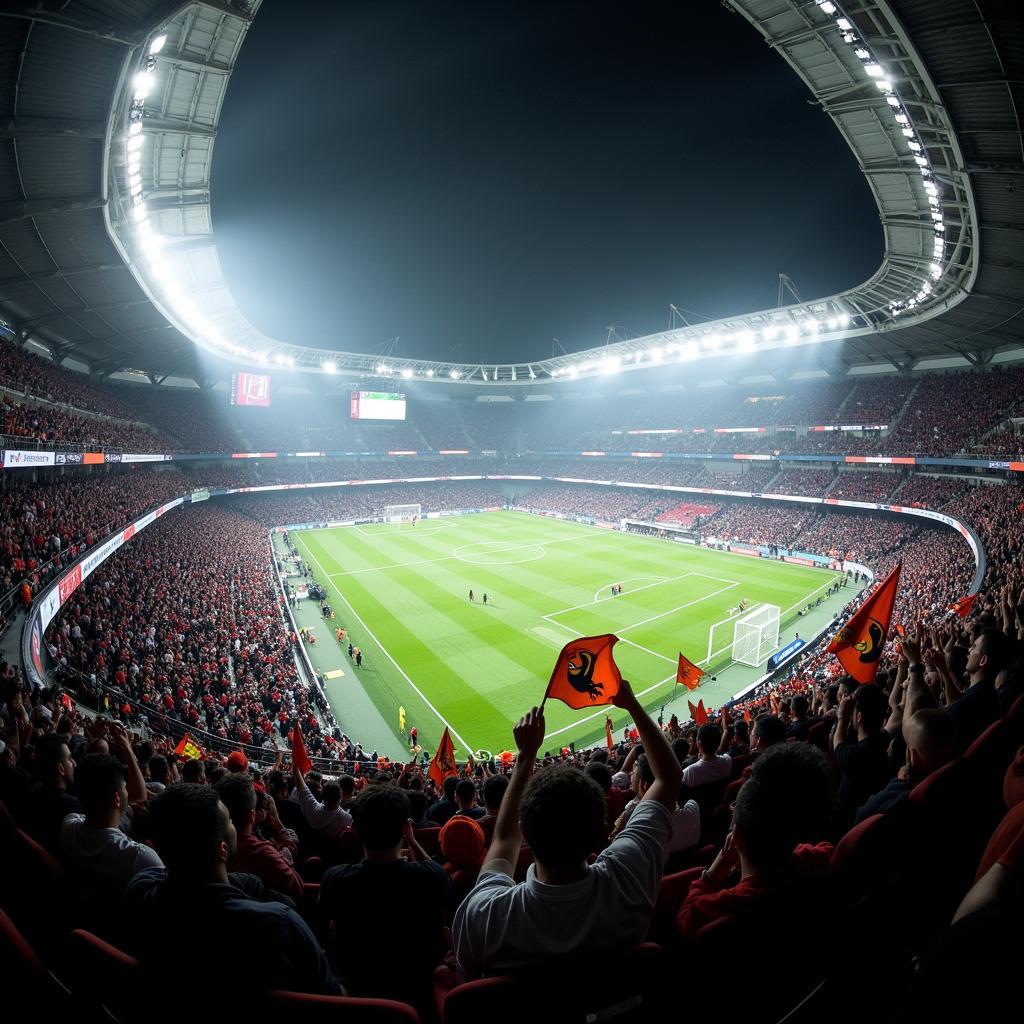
(141, 457)
(785, 654)
(70, 582)
(17, 458)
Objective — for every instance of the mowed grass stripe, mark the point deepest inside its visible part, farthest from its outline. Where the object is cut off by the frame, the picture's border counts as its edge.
(483, 667)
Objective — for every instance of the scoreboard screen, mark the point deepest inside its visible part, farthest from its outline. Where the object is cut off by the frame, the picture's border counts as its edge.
(377, 405)
(250, 389)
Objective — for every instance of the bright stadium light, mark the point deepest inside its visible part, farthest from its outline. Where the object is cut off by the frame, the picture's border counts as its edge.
(329, 367)
(139, 213)
(827, 6)
(141, 84)
(430, 372)
(454, 374)
(406, 372)
(134, 143)
(874, 70)
(844, 24)
(157, 43)
(134, 128)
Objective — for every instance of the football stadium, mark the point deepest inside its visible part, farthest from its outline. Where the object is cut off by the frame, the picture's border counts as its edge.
(424, 674)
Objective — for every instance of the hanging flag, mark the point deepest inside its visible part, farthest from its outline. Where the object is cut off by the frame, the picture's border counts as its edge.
(964, 605)
(687, 673)
(401, 720)
(299, 756)
(608, 733)
(859, 644)
(698, 713)
(443, 764)
(585, 673)
(188, 748)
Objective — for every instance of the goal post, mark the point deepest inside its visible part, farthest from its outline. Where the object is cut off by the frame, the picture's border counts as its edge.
(402, 513)
(756, 635)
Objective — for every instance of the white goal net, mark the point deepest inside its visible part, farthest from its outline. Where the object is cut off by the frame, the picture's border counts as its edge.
(402, 513)
(756, 636)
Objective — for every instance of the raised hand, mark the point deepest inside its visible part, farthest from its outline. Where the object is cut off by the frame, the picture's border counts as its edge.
(529, 733)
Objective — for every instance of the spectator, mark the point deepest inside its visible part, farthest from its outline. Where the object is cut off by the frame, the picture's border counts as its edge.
(685, 818)
(94, 842)
(930, 740)
(387, 886)
(465, 798)
(567, 905)
(781, 808)
(710, 766)
(327, 817)
(196, 840)
(254, 855)
(193, 771)
(863, 762)
(54, 799)
(978, 706)
(494, 793)
(444, 808)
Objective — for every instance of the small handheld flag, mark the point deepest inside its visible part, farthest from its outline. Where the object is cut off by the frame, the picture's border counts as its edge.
(187, 747)
(859, 644)
(299, 756)
(698, 712)
(443, 764)
(687, 673)
(964, 605)
(585, 674)
(608, 733)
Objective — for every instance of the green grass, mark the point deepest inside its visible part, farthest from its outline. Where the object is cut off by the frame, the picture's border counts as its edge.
(402, 591)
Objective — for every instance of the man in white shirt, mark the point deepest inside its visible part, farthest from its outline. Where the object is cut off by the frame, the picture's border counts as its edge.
(710, 766)
(566, 906)
(94, 842)
(329, 817)
(685, 819)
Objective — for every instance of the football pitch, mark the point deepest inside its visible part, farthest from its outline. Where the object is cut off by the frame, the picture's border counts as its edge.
(402, 592)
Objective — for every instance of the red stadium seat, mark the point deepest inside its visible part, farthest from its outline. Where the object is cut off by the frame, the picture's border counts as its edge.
(313, 1009)
(621, 986)
(105, 980)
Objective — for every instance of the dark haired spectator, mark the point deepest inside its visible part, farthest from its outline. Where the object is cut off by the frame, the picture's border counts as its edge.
(978, 706)
(196, 839)
(465, 798)
(862, 759)
(326, 817)
(94, 843)
(493, 793)
(193, 771)
(567, 905)
(685, 816)
(395, 881)
(444, 808)
(53, 799)
(710, 766)
(782, 808)
(801, 722)
(252, 854)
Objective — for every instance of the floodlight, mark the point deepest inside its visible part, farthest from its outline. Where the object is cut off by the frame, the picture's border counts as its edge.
(874, 70)
(454, 374)
(329, 367)
(920, 161)
(862, 53)
(902, 119)
(406, 372)
(134, 142)
(884, 84)
(908, 133)
(915, 146)
(430, 373)
(892, 101)
(844, 24)
(827, 6)
(157, 43)
(936, 271)
(139, 213)
(279, 359)
(141, 84)
(134, 128)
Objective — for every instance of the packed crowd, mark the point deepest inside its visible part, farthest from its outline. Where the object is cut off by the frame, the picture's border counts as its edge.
(812, 482)
(865, 486)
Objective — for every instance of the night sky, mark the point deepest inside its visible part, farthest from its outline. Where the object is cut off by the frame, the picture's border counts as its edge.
(480, 178)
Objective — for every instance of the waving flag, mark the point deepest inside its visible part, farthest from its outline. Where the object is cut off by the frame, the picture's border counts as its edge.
(859, 644)
(299, 756)
(608, 733)
(443, 764)
(964, 605)
(585, 674)
(687, 673)
(698, 712)
(187, 747)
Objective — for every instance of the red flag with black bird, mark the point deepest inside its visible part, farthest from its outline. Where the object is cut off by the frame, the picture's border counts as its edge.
(443, 764)
(687, 673)
(585, 674)
(859, 644)
(299, 756)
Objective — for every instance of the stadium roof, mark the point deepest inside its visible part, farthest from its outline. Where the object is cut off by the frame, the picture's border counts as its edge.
(107, 251)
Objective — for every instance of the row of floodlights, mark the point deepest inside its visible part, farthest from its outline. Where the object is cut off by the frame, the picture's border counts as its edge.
(744, 341)
(741, 341)
(874, 70)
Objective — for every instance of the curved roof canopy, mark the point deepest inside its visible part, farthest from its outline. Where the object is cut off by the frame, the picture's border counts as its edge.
(107, 249)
